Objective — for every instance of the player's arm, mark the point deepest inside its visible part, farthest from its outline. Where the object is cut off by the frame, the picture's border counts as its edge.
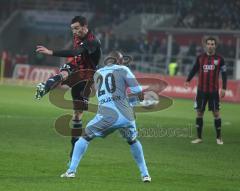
(60, 53)
(133, 85)
(89, 46)
(223, 69)
(67, 53)
(95, 77)
(192, 73)
(136, 97)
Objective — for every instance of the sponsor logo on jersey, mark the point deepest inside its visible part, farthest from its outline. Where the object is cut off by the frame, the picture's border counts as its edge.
(206, 68)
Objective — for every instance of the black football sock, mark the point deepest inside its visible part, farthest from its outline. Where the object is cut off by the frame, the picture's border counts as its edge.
(52, 82)
(76, 133)
(199, 126)
(218, 124)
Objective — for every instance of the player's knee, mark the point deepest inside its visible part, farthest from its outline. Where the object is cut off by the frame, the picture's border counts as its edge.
(64, 74)
(86, 136)
(131, 142)
(74, 140)
(216, 114)
(200, 114)
(77, 115)
(88, 139)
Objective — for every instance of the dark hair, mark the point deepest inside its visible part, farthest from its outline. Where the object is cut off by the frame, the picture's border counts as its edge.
(117, 57)
(82, 20)
(211, 38)
(113, 57)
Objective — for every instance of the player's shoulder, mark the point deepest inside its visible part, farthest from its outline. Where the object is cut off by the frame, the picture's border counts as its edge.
(219, 56)
(99, 70)
(202, 55)
(91, 37)
(121, 67)
(90, 42)
(114, 67)
(103, 68)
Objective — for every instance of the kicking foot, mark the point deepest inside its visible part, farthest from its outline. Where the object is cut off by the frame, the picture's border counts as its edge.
(40, 91)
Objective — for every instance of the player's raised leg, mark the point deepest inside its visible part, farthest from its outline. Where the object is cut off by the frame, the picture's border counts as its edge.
(44, 87)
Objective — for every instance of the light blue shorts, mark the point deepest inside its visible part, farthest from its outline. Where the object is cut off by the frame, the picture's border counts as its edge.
(101, 126)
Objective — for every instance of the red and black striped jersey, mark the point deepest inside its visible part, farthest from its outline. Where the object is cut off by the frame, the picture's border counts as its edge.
(208, 68)
(86, 52)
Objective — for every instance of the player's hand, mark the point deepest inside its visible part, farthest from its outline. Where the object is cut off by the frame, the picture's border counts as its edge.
(44, 50)
(186, 85)
(223, 92)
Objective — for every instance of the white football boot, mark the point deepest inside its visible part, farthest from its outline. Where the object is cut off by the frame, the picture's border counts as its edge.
(68, 175)
(196, 141)
(40, 91)
(146, 178)
(220, 141)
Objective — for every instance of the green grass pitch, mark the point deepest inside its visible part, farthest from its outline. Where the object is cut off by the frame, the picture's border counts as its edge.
(33, 155)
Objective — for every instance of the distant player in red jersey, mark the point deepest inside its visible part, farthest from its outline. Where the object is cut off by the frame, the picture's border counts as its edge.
(86, 55)
(208, 66)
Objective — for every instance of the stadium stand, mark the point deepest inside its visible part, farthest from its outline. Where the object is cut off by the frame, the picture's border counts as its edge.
(154, 33)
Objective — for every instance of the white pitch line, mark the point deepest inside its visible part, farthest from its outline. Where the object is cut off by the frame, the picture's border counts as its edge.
(23, 117)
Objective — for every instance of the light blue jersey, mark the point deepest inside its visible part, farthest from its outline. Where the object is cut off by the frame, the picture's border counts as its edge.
(114, 110)
(114, 113)
(111, 83)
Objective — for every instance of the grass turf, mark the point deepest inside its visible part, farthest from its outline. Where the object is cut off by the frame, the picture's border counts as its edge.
(33, 155)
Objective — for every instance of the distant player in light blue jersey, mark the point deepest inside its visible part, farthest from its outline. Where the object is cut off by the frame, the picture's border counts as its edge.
(114, 83)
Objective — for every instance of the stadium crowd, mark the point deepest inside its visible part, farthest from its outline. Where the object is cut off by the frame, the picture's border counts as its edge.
(215, 14)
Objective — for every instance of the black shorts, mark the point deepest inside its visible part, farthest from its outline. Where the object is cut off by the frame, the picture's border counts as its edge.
(203, 98)
(80, 95)
(81, 91)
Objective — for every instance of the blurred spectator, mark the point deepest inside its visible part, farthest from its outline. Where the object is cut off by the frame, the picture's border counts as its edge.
(230, 49)
(192, 51)
(173, 67)
(163, 46)
(175, 48)
(143, 45)
(154, 46)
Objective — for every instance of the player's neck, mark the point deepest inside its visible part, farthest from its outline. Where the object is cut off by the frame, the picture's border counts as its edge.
(86, 31)
(109, 64)
(85, 34)
(210, 54)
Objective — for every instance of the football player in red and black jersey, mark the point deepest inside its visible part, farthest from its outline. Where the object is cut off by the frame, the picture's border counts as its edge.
(208, 66)
(86, 55)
